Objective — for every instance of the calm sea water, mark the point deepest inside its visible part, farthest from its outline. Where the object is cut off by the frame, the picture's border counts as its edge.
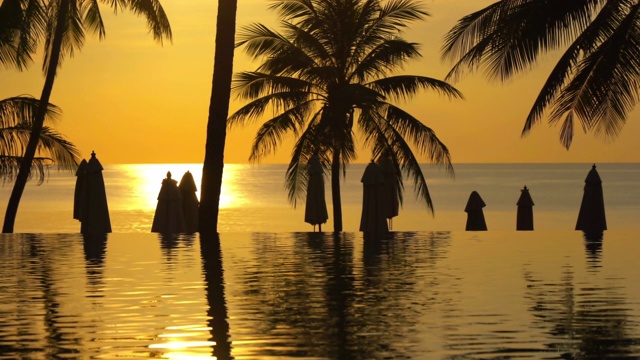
(254, 198)
(420, 295)
(269, 288)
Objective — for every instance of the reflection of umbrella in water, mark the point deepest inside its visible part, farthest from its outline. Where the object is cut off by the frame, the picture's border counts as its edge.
(168, 218)
(315, 212)
(524, 218)
(374, 202)
(95, 210)
(391, 181)
(81, 177)
(591, 218)
(475, 216)
(189, 202)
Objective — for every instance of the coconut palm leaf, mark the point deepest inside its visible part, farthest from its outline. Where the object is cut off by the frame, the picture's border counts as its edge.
(595, 82)
(16, 119)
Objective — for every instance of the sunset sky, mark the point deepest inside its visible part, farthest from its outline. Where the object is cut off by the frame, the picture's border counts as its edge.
(134, 101)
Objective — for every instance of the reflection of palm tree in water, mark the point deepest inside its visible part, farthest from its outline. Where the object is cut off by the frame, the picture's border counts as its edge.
(217, 312)
(586, 323)
(394, 271)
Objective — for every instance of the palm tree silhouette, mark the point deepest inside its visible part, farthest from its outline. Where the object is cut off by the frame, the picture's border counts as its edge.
(16, 117)
(213, 166)
(326, 71)
(596, 80)
(62, 25)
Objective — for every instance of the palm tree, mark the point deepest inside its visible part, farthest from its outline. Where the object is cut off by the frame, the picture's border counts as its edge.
(326, 71)
(16, 117)
(595, 81)
(63, 29)
(213, 166)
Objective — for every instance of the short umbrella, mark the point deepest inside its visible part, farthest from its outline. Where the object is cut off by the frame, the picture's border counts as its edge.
(475, 216)
(95, 210)
(524, 218)
(315, 212)
(169, 217)
(190, 202)
(392, 188)
(374, 201)
(78, 194)
(591, 218)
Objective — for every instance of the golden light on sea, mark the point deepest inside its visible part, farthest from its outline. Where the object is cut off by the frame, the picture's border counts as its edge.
(145, 180)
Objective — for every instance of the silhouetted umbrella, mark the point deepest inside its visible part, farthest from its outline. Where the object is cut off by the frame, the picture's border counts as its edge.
(391, 182)
(315, 212)
(524, 219)
(591, 218)
(475, 216)
(95, 210)
(190, 202)
(81, 176)
(374, 201)
(169, 218)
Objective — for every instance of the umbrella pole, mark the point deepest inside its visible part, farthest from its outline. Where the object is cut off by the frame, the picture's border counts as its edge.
(319, 227)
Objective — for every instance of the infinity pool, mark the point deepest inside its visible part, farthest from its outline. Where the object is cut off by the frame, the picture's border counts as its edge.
(423, 295)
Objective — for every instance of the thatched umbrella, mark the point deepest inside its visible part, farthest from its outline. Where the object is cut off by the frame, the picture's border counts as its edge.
(95, 210)
(524, 218)
(315, 212)
(374, 200)
(591, 218)
(190, 202)
(169, 218)
(475, 216)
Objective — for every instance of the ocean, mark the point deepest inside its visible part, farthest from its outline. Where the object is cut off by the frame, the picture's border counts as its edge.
(254, 198)
(270, 288)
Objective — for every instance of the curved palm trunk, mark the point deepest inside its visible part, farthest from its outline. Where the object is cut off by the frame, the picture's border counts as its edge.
(36, 130)
(218, 112)
(335, 192)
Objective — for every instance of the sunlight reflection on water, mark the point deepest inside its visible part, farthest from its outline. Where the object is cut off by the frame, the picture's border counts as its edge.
(424, 295)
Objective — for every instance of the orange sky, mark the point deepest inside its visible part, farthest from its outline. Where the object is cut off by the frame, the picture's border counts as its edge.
(133, 101)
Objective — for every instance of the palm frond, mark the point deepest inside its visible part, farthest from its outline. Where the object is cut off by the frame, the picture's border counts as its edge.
(508, 36)
(605, 87)
(404, 86)
(608, 18)
(388, 55)
(93, 18)
(273, 131)
(153, 12)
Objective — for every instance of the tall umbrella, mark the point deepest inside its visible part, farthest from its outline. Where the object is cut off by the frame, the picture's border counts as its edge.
(374, 200)
(81, 177)
(190, 202)
(315, 212)
(390, 174)
(169, 217)
(475, 216)
(524, 218)
(591, 218)
(95, 210)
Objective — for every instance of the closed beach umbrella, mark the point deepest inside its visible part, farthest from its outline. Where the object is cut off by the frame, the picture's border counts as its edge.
(374, 200)
(81, 176)
(391, 182)
(169, 217)
(524, 219)
(315, 212)
(591, 218)
(475, 216)
(190, 202)
(95, 210)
